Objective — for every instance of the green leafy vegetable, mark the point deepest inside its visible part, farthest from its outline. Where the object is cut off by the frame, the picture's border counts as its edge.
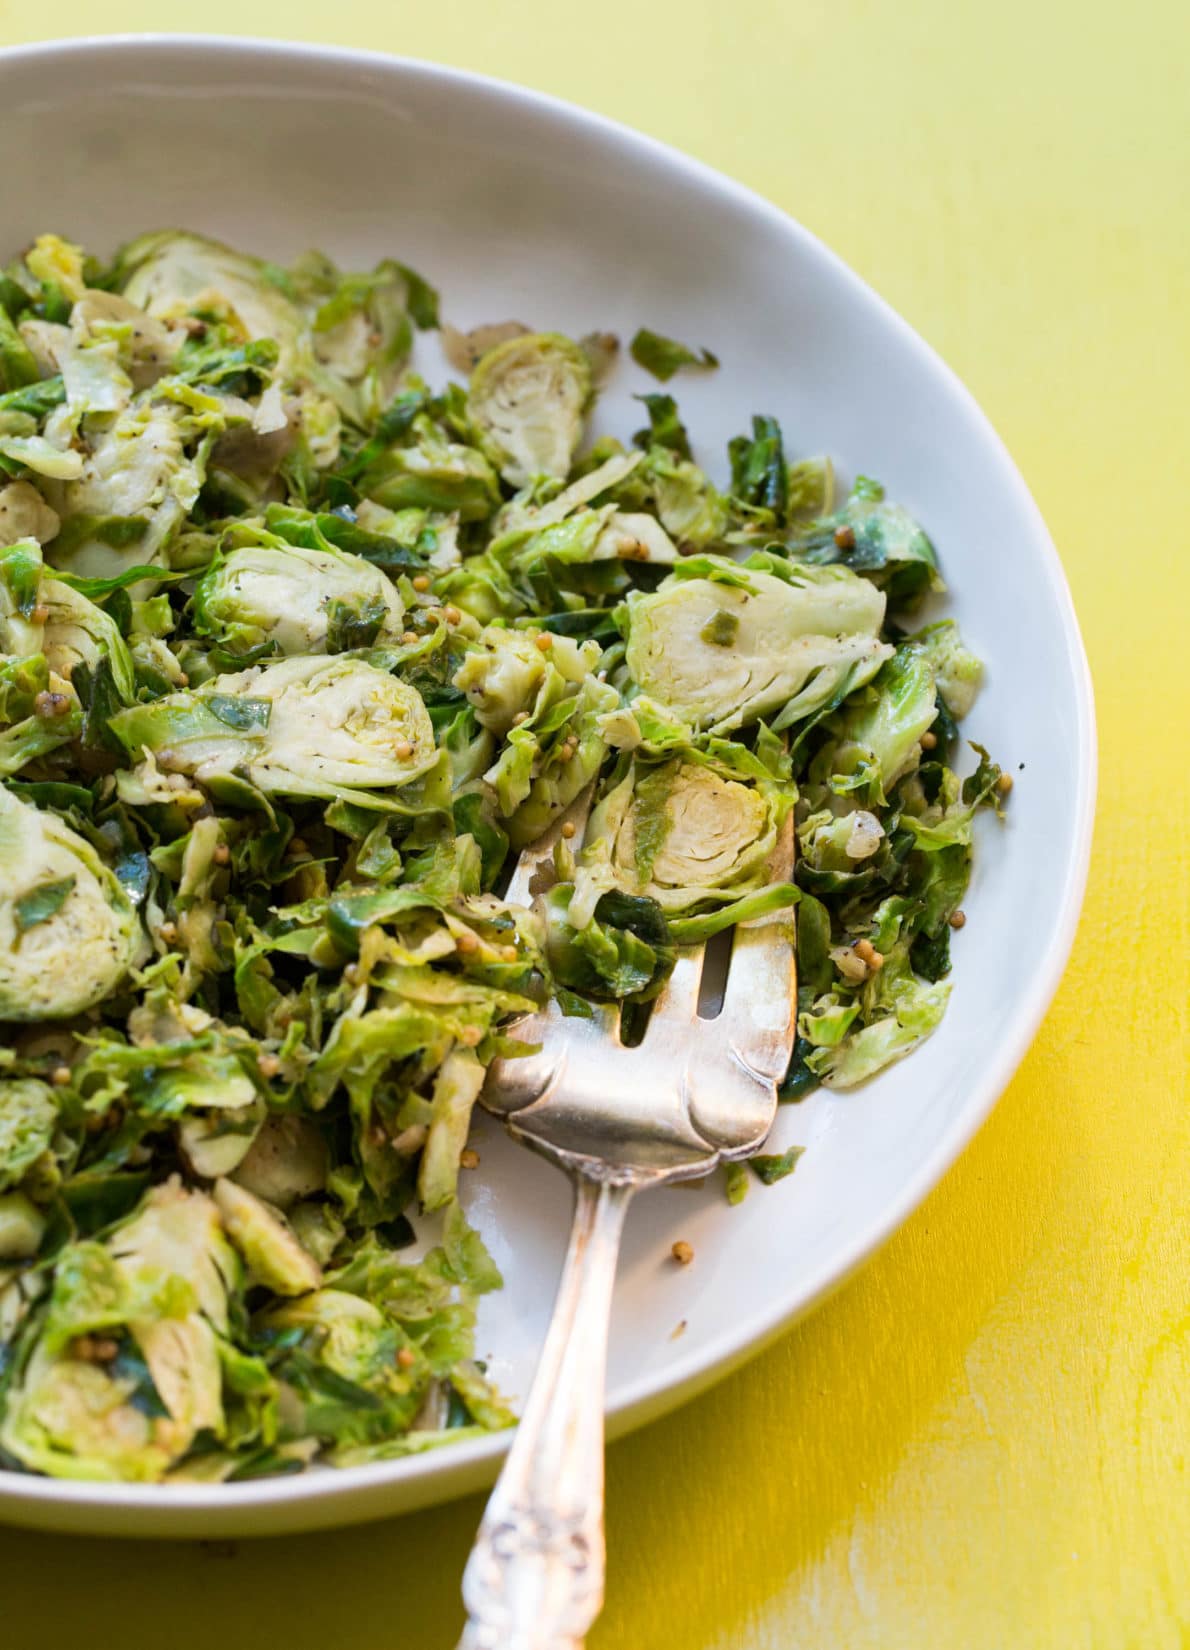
(421, 299)
(17, 366)
(41, 903)
(721, 629)
(769, 1168)
(758, 472)
(735, 1182)
(296, 652)
(876, 539)
(665, 427)
(663, 357)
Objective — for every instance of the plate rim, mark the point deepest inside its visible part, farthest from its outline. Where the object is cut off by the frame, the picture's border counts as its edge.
(352, 1494)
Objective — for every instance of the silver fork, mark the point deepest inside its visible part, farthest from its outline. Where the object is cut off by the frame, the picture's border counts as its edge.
(619, 1120)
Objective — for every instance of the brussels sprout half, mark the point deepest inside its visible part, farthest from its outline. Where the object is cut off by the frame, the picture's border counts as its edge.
(687, 832)
(307, 726)
(68, 932)
(294, 597)
(724, 651)
(126, 1367)
(170, 273)
(28, 1117)
(528, 397)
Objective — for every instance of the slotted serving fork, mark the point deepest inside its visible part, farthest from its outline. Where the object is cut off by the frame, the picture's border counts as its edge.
(619, 1120)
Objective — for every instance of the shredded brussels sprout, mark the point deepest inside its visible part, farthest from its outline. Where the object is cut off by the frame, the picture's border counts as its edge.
(296, 651)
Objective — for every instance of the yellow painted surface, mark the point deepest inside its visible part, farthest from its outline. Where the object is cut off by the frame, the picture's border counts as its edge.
(981, 1442)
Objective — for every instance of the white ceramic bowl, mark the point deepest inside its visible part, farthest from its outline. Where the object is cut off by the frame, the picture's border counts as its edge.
(516, 205)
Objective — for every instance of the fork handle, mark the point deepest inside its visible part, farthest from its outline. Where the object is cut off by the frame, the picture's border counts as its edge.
(534, 1580)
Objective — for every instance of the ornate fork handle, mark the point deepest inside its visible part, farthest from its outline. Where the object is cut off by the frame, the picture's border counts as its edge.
(535, 1577)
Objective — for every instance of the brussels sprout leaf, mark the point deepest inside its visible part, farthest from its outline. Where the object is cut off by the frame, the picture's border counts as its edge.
(663, 357)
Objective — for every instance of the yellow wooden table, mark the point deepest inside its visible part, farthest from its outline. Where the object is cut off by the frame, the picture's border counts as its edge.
(980, 1443)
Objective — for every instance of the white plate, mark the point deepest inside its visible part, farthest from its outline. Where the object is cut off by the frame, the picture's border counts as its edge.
(516, 205)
